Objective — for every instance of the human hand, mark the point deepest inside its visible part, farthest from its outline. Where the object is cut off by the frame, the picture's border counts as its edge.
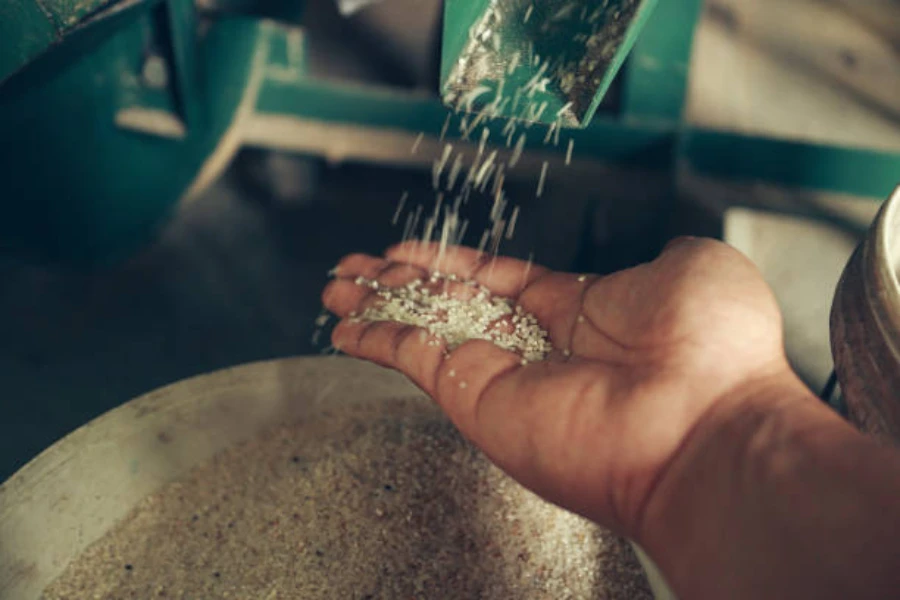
(654, 351)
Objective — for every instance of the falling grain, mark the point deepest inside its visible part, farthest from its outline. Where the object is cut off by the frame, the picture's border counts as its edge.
(517, 151)
(454, 172)
(445, 127)
(399, 209)
(543, 179)
(550, 131)
(407, 229)
(513, 219)
(417, 143)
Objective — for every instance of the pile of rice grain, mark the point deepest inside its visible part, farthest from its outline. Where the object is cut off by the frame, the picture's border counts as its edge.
(457, 312)
(366, 502)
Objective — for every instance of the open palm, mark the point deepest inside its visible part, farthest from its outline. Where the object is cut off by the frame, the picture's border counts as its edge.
(643, 357)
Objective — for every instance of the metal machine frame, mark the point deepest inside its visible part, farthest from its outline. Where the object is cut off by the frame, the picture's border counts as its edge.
(245, 81)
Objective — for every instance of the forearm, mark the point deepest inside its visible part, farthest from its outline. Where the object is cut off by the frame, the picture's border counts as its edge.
(775, 496)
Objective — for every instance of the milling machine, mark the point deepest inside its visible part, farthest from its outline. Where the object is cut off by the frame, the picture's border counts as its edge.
(112, 111)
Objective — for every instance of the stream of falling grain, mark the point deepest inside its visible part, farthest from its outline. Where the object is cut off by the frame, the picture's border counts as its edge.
(461, 172)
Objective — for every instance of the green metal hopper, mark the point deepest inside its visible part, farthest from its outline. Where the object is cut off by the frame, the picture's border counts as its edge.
(543, 62)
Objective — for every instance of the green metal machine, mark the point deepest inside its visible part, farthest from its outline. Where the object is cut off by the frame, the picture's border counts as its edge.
(537, 61)
(113, 111)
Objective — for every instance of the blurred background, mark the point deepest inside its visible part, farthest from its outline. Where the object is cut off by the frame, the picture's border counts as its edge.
(772, 124)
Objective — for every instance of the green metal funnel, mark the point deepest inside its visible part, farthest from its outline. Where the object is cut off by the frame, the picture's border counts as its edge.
(543, 61)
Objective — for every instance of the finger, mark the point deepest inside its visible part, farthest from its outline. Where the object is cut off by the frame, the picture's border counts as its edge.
(679, 241)
(344, 298)
(457, 381)
(384, 271)
(459, 260)
(353, 291)
(502, 275)
(348, 294)
(360, 265)
(405, 348)
(465, 376)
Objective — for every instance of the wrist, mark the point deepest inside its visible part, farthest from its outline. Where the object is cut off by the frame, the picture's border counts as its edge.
(727, 456)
